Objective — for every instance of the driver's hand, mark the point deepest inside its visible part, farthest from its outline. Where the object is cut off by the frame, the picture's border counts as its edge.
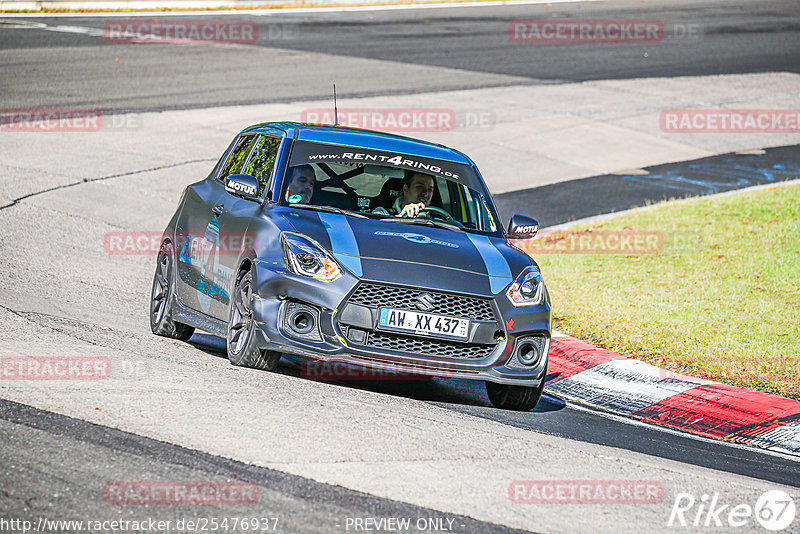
(411, 210)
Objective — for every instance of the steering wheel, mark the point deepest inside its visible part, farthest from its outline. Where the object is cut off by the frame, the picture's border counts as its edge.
(442, 214)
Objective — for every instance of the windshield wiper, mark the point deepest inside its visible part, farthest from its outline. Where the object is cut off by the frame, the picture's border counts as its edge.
(328, 209)
(426, 222)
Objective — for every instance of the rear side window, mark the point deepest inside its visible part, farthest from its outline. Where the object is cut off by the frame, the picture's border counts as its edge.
(262, 161)
(238, 156)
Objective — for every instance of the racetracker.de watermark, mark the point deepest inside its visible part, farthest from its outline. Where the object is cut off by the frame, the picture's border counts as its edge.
(176, 493)
(180, 31)
(54, 368)
(64, 120)
(601, 31)
(586, 492)
(314, 370)
(188, 244)
(730, 121)
(402, 119)
(597, 242)
(224, 523)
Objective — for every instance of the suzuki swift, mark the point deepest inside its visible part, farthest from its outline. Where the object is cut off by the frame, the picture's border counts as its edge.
(343, 245)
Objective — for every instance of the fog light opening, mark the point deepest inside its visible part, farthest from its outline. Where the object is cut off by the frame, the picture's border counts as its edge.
(528, 353)
(301, 322)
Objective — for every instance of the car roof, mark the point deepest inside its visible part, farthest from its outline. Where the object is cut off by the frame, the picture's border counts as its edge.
(358, 138)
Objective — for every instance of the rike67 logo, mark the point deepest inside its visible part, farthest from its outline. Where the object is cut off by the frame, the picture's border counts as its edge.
(774, 510)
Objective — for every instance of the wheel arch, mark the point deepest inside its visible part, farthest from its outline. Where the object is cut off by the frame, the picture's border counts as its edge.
(247, 263)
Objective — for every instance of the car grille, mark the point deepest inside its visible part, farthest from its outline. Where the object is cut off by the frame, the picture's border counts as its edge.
(427, 346)
(378, 295)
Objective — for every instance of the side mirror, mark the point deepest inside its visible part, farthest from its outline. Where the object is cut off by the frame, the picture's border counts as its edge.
(242, 185)
(521, 227)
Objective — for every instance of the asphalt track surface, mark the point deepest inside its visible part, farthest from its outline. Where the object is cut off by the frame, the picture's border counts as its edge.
(468, 48)
(429, 50)
(558, 418)
(45, 442)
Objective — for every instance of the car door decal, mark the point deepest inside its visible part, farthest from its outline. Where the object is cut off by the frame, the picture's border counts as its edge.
(343, 241)
(204, 252)
(496, 265)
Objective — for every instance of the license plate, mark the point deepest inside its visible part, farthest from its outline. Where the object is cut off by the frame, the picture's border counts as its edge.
(423, 323)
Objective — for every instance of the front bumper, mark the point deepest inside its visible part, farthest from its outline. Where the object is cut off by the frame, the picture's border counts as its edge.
(281, 293)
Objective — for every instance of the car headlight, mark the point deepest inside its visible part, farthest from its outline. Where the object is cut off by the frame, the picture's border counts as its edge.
(527, 289)
(306, 257)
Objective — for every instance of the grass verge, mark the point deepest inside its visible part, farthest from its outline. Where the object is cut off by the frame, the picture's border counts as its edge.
(711, 290)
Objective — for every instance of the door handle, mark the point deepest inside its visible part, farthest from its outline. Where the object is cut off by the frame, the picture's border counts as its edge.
(217, 210)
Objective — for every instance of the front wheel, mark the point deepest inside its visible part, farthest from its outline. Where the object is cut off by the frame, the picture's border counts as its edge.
(161, 322)
(241, 342)
(522, 398)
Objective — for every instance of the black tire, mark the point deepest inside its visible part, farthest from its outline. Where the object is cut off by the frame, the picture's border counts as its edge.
(241, 342)
(521, 398)
(161, 298)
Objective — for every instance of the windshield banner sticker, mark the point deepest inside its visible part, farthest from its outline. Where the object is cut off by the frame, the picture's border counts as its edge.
(305, 152)
(397, 161)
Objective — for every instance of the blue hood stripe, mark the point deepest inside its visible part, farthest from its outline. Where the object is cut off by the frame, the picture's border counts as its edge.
(496, 265)
(343, 241)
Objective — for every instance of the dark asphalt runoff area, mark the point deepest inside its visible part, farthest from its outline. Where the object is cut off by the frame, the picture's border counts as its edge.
(453, 48)
(59, 67)
(588, 197)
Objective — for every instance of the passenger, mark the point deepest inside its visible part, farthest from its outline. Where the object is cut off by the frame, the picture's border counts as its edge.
(417, 194)
(301, 184)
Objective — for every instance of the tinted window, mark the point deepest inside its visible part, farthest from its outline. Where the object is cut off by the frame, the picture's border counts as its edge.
(262, 160)
(238, 156)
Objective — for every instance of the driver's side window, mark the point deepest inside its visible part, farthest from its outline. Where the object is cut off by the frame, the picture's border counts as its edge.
(238, 156)
(262, 160)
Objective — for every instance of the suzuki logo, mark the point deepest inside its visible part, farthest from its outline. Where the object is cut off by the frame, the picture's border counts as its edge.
(425, 302)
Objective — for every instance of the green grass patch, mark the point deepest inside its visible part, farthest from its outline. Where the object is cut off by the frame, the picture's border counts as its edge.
(716, 294)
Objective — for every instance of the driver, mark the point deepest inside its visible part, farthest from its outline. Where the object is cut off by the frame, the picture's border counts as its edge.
(301, 184)
(417, 194)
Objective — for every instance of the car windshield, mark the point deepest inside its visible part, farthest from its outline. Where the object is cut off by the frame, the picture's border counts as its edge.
(379, 184)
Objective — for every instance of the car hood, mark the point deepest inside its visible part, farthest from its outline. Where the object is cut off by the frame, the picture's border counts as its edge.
(416, 255)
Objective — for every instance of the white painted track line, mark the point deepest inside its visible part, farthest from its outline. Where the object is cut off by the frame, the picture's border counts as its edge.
(281, 11)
